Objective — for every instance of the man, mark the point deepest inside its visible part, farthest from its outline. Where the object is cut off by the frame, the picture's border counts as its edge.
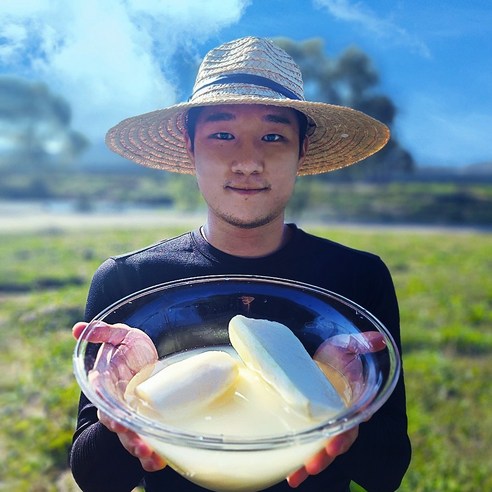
(247, 133)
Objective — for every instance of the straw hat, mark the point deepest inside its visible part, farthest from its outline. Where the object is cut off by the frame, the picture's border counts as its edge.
(250, 71)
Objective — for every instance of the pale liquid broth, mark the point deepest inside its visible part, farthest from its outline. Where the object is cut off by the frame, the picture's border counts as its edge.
(253, 409)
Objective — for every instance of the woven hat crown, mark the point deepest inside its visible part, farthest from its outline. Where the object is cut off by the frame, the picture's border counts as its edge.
(248, 66)
(249, 71)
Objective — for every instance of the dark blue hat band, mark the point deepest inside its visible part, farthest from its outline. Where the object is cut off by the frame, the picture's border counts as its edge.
(246, 78)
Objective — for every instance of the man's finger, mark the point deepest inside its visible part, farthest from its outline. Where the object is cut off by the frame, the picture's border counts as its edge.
(318, 462)
(375, 341)
(295, 479)
(341, 443)
(111, 424)
(345, 344)
(103, 333)
(134, 444)
(78, 328)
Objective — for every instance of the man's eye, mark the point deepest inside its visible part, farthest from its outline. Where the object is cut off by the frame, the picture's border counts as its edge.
(223, 136)
(272, 137)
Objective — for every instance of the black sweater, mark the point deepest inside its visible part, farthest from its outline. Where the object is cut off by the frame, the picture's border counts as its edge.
(379, 457)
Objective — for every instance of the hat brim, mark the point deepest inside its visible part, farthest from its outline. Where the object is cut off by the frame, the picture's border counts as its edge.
(342, 136)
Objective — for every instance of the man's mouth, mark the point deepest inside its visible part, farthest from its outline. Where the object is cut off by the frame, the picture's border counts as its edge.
(245, 189)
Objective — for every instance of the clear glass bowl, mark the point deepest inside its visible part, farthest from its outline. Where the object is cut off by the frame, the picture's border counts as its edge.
(195, 313)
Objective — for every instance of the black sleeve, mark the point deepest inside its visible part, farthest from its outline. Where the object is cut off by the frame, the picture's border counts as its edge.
(98, 460)
(380, 456)
(110, 283)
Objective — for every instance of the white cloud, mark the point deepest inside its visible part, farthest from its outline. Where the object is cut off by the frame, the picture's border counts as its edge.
(385, 28)
(110, 59)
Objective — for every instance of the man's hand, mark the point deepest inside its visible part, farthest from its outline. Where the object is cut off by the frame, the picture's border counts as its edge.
(342, 353)
(124, 351)
(335, 446)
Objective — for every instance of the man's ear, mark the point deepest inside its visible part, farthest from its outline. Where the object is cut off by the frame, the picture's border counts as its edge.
(303, 152)
(189, 148)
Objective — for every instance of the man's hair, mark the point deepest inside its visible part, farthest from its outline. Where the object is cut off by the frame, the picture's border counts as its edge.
(193, 113)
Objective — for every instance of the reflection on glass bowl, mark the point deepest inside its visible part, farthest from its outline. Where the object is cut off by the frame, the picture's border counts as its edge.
(194, 314)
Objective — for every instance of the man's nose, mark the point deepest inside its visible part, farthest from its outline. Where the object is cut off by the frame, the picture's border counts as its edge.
(249, 160)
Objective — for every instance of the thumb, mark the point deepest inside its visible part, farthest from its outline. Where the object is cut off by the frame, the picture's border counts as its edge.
(373, 341)
(78, 328)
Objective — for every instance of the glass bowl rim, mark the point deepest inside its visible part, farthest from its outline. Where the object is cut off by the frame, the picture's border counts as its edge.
(142, 425)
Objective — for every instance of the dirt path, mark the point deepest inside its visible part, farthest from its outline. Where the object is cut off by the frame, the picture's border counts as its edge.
(36, 217)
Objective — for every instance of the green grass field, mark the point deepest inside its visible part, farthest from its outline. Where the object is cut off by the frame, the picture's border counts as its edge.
(444, 284)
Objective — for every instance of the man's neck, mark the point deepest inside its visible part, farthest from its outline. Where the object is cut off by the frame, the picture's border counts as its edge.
(246, 242)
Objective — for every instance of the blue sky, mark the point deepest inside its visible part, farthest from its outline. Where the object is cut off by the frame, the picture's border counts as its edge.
(114, 58)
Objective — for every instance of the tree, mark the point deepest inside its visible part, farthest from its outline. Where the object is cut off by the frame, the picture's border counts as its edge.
(350, 80)
(35, 127)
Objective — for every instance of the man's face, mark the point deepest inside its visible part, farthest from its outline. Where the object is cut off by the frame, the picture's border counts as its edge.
(246, 159)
